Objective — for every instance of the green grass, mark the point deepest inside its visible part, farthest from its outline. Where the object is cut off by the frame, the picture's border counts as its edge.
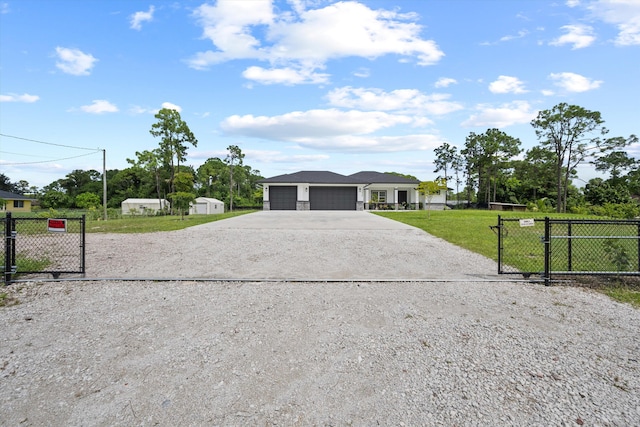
(623, 294)
(24, 263)
(150, 224)
(7, 300)
(470, 229)
(466, 228)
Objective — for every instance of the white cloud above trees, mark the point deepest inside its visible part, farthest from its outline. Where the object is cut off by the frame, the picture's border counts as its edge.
(507, 84)
(578, 36)
(298, 43)
(572, 82)
(408, 101)
(624, 14)
(332, 129)
(13, 97)
(74, 61)
(138, 18)
(514, 113)
(99, 106)
(445, 82)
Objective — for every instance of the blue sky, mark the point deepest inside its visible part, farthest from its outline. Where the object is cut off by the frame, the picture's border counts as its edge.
(304, 84)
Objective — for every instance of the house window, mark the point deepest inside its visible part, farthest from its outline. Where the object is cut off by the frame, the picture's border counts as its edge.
(379, 196)
(18, 203)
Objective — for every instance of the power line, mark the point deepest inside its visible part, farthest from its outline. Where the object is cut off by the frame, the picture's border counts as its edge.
(20, 154)
(50, 143)
(48, 161)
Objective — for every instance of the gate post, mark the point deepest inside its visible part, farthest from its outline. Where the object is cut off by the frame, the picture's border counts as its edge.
(83, 244)
(7, 249)
(547, 251)
(499, 245)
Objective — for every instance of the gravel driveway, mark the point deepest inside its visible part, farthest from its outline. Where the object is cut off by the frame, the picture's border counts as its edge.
(447, 343)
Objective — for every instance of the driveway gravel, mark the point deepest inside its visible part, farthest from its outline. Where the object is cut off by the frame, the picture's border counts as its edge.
(448, 343)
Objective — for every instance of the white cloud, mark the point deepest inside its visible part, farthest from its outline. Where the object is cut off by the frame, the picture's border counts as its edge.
(171, 106)
(279, 157)
(521, 34)
(400, 100)
(302, 42)
(99, 106)
(572, 82)
(139, 17)
(507, 84)
(377, 144)
(517, 112)
(445, 82)
(74, 61)
(332, 130)
(573, 3)
(547, 92)
(286, 76)
(136, 109)
(300, 125)
(580, 36)
(624, 14)
(4, 8)
(25, 97)
(362, 73)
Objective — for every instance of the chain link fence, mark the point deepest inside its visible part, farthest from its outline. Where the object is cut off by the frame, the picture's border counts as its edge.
(568, 247)
(43, 246)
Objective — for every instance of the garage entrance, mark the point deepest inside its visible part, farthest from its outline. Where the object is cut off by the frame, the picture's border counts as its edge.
(283, 198)
(333, 198)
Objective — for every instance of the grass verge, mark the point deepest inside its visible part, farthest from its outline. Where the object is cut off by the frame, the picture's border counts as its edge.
(150, 224)
(470, 229)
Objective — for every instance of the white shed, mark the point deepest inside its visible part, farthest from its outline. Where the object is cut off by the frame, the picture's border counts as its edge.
(143, 206)
(206, 206)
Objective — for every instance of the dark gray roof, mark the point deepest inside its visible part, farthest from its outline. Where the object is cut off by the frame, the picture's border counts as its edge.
(312, 177)
(7, 195)
(373, 177)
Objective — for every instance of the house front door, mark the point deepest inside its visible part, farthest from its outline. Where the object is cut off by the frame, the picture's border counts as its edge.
(402, 196)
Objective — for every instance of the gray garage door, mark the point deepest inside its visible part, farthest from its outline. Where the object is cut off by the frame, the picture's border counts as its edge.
(283, 198)
(333, 198)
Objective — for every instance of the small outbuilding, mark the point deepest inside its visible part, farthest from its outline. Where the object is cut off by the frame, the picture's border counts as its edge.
(144, 206)
(206, 206)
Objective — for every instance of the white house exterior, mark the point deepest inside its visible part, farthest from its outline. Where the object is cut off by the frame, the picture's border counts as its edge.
(313, 190)
(438, 201)
(324, 190)
(144, 206)
(388, 191)
(206, 206)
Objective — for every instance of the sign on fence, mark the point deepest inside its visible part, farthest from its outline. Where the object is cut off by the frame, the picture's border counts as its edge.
(57, 225)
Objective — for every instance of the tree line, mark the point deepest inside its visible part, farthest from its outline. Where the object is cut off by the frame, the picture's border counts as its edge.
(489, 167)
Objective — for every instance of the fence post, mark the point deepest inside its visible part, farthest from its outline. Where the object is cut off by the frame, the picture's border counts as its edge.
(547, 251)
(569, 247)
(82, 243)
(499, 245)
(7, 249)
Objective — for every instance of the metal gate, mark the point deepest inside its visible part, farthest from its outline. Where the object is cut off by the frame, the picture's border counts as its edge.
(43, 246)
(564, 247)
